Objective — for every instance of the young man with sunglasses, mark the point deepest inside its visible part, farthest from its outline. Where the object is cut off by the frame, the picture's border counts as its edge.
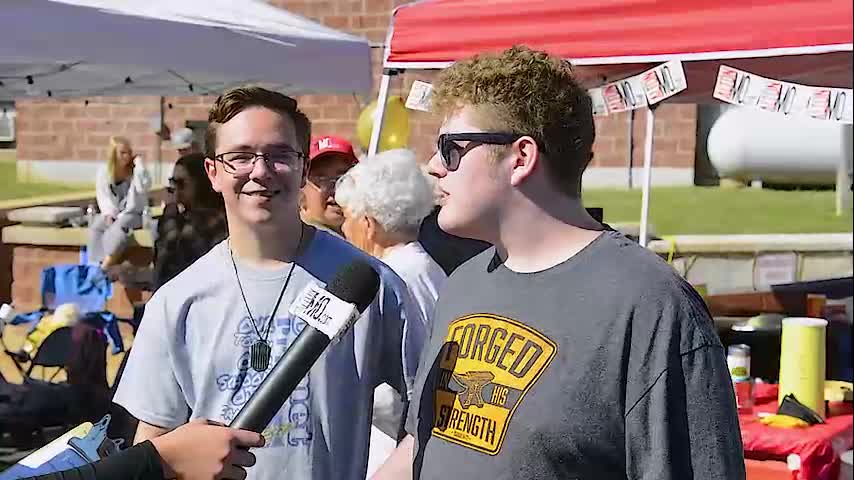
(567, 350)
(330, 157)
(211, 334)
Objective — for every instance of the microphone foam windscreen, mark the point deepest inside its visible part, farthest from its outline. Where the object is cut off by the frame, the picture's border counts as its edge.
(356, 283)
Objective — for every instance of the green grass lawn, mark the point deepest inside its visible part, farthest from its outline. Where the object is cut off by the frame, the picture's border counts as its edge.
(712, 210)
(673, 210)
(10, 188)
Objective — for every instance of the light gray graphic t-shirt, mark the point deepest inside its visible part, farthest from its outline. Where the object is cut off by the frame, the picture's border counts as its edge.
(190, 359)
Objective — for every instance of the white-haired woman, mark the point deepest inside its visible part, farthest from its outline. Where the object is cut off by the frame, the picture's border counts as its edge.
(121, 190)
(384, 198)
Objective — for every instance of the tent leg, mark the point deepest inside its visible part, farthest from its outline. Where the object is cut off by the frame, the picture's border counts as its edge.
(379, 117)
(647, 174)
(843, 173)
(631, 153)
(158, 153)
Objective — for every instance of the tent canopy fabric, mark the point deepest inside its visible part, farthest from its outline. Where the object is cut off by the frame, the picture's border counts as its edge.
(800, 41)
(163, 47)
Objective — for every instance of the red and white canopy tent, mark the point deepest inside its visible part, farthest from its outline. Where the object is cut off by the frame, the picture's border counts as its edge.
(800, 41)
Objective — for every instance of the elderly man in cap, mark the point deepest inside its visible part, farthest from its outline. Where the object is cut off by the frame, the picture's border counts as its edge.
(330, 158)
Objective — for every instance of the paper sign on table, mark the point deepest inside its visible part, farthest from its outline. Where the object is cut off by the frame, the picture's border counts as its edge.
(419, 96)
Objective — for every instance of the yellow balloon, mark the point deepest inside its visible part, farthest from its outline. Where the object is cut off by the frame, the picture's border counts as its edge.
(395, 132)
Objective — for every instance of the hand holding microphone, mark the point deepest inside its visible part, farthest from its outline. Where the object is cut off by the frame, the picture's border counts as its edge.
(329, 314)
(203, 450)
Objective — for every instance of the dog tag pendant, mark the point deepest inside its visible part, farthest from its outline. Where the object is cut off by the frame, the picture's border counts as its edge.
(259, 356)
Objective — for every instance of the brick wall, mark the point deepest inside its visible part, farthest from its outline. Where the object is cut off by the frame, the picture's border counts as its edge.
(28, 261)
(79, 129)
(72, 130)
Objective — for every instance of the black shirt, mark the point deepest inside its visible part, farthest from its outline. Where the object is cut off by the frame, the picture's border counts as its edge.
(140, 462)
(183, 237)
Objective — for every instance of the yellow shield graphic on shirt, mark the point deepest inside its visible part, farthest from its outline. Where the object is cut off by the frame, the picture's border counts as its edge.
(486, 367)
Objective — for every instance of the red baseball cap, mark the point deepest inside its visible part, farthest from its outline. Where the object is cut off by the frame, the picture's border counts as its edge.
(331, 144)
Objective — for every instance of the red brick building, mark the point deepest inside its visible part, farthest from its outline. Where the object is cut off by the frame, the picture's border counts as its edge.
(65, 139)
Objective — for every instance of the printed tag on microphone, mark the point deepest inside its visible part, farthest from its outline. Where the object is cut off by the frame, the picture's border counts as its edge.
(823, 103)
(419, 96)
(324, 311)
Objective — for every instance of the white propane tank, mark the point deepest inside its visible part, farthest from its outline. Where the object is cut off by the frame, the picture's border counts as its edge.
(747, 144)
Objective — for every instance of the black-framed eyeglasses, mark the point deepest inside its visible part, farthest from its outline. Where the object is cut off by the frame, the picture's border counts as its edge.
(242, 163)
(451, 153)
(324, 183)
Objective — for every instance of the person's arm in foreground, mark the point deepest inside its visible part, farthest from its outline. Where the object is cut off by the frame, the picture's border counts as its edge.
(146, 431)
(398, 466)
(195, 451)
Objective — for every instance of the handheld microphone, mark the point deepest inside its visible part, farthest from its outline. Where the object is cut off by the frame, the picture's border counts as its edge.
(328, 314)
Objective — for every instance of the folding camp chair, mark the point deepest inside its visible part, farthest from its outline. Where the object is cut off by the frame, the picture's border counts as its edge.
(54, 352)
(86, 286)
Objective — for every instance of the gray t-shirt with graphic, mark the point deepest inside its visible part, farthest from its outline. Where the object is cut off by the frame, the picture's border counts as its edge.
(604, 366)
(190, 359)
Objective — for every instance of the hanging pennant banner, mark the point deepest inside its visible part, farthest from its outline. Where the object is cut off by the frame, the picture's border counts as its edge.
(600, 108)
(823, 103)
(647, 88)
(664, 81)
(624, 95)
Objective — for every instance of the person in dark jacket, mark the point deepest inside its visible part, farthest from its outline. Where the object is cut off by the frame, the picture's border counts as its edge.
(198, 450)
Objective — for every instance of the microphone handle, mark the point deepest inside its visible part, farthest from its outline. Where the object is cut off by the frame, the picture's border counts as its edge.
(282, 380)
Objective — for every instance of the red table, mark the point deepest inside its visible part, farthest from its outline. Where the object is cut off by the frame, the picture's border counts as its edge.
(819, 446)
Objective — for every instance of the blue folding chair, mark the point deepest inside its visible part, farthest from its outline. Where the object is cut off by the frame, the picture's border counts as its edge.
(86, 286)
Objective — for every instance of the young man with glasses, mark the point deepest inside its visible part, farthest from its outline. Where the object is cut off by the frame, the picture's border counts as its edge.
(329, 158)
(567, 350)
(211, 334)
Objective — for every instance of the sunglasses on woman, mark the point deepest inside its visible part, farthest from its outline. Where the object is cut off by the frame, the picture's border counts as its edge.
(175, 183)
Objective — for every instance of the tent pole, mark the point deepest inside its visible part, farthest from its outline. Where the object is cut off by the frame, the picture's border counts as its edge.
(158, 153)
(631, 153)
(843, 173)
(647, 174)
(379, 115)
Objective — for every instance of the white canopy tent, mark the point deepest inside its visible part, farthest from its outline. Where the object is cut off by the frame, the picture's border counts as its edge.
(63, 48)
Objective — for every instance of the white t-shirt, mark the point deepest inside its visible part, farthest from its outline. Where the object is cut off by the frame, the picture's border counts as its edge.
(424, 278)
(422, 275)
(130, 197)
(190, 359)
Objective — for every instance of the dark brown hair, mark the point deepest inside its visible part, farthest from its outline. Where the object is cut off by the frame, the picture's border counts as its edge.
(239, 99)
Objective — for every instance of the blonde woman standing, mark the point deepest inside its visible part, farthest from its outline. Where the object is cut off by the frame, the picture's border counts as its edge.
(121, 190)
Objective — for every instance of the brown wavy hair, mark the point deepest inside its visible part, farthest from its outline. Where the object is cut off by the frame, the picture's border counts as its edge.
(526, 92)
(239, 99)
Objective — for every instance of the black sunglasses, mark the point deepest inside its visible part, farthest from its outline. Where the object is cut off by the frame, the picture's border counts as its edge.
(175, 183)
(451, 153)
